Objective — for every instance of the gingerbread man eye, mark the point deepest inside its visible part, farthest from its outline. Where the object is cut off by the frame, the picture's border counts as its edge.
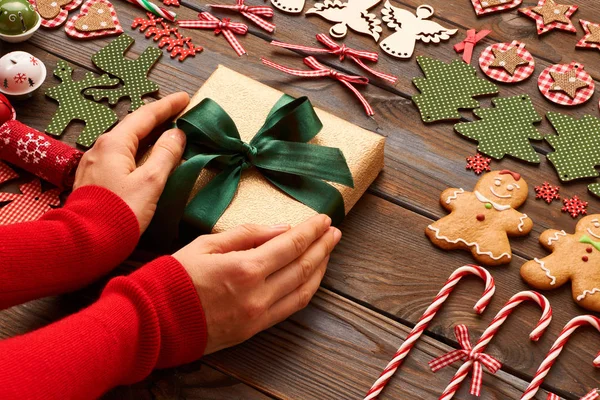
(510, 188)
(596, 224)
(497, 182)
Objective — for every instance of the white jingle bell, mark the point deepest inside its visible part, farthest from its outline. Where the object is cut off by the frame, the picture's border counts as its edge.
(21, 74)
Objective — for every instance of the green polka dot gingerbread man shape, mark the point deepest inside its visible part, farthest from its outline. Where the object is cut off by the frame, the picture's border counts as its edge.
(481, 221)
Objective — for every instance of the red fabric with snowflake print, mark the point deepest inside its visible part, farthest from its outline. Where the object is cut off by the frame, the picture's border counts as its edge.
(38, 153)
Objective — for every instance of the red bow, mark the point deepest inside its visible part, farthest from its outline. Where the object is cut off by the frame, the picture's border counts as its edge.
(464, 354)
(468, 44)
(253, 13)
(593, 395)
(341, 51)
(319, 70)
(225, 26)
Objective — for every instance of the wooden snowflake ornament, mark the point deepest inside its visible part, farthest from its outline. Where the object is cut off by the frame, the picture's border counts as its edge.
(483, 7)
(28, 206)
(574, 206)
(478, 163)
(353, 14)
(549, 15)
(591, 40)
(410, 28)
(567, 85)
(547, 192)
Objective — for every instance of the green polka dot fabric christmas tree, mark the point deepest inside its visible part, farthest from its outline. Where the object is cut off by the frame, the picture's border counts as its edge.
(505, 129)
(576, 146)
(446, 88)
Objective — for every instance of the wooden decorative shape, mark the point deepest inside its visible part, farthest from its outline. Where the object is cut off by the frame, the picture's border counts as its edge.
(289, 6)
(487, 59)
(59, 9)
(353, 14)
(97, 18)
(548, 87)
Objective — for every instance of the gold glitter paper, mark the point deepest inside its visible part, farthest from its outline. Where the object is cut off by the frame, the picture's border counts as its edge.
(257, 201)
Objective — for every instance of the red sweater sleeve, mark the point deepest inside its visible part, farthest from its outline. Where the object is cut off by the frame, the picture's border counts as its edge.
(151, 319)
(68, 248)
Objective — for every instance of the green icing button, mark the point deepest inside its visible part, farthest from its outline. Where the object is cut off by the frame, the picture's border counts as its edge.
(488, 205)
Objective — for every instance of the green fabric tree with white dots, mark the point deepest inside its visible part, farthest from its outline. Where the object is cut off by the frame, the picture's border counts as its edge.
(576, 147)
(446, 88)
(133, 73)
(505, 129)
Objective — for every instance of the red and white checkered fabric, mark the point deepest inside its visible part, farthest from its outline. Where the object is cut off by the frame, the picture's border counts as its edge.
(6, 173)
(253, 13)
(545, 82)
(74, 33)
(28, 206)
(62, 15)
(499, 74)
(583, 41)
(226, 27)
(539, 20)
(478, 5)
(593, 395)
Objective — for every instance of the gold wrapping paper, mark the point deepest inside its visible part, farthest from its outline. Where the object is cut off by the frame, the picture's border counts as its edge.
(257, 201)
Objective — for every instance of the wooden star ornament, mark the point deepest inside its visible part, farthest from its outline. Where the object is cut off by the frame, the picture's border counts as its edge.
(549, 15)
(567, 82)
(509, 60)
(591, 40)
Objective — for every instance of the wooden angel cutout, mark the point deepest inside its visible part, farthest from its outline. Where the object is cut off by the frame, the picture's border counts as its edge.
(289, 6)
(410, 28)
(352, 14)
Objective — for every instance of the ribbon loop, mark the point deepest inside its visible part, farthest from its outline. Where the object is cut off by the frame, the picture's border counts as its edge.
(253, 13)
(225, 26)
(468, 45)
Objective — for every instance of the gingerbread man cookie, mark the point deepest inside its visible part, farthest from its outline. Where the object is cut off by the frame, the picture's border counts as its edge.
(575, 257)
(482, 220)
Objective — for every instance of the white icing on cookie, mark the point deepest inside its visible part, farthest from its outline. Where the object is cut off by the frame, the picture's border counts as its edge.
(587, 293)
(592, 233)
(521, 223)
(506, 196)
(476, 245)
(484, 199)
(454, 195)
(555, 237)
(546, 270)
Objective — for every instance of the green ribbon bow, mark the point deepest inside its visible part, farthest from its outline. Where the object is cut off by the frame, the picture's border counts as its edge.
(587, 240)
(279, 151)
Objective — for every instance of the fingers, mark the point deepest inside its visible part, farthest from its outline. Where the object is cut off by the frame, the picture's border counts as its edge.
(243, 237)
(296, 300)
(165, 156)
(299, 271)
(285, 248)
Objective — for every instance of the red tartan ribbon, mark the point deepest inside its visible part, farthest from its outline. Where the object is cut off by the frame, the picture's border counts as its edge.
(225, 26)
(593, 395)
(464, 354)
(467, 45)
(38, 153)
(253, 13)
(341, 51)
(319, 70)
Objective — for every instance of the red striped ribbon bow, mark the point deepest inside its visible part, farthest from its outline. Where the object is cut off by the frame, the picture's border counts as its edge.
(464, 354)
(319, 70)
(593, 395)
(225, 26)
(253, 13)
(467, 45)
(341, 51)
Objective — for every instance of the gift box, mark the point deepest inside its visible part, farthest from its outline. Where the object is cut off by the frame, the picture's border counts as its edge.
(257, 200)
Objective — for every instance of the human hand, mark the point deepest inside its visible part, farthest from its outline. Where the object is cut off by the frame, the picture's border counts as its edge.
(111, 162)
(254, 276)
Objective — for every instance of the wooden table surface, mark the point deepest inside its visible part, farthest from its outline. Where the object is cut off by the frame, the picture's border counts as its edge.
(385, 272)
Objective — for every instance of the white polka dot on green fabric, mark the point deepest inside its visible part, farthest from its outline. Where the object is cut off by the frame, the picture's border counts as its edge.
(594, 188)
(505, 129)
(576, 147)
(446, 88)
(133, 73)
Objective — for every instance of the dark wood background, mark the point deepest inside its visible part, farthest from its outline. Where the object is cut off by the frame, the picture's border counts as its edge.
(385, 272)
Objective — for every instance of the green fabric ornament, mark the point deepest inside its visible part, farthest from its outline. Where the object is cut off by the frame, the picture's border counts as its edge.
(72, 105)
(505, 129)
(446, 88)
(576, 147)
(133, 73)
(17, 17)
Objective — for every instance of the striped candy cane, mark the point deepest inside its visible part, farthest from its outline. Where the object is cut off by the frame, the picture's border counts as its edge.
(420, 327)
(556, 349)
(154, 9)
(593, 395)
(489, 333)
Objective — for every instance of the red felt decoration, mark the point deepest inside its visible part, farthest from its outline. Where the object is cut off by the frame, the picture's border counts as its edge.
(478, 163)
(547, 192)
(28, 206)
(574, 206)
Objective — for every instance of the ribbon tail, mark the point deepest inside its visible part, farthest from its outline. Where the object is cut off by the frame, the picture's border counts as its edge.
(447, 359)
(476, 379)
(235, 44)
(263, 23)
(382, 75)
(360, 97)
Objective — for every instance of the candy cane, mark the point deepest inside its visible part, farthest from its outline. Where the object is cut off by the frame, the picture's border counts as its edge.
(417, 331)
(556, 349)
(154, 9)
(493, 328)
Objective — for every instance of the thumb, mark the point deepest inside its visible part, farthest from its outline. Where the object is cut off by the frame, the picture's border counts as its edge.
(243, 237)
(164, 157)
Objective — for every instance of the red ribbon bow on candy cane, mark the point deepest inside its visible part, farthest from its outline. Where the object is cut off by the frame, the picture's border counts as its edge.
(226, 27)
(319, 70)
(341, 51)
(593, 395)
(467, 45)
(464, 354)
(253, 13)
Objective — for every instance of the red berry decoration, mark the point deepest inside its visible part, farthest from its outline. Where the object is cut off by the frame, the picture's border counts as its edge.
(574, 206)
(547, 192)
(478, 163)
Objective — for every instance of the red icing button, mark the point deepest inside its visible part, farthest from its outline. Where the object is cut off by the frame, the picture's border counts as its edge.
(480, 217)
(589, 249)
(584, 258)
